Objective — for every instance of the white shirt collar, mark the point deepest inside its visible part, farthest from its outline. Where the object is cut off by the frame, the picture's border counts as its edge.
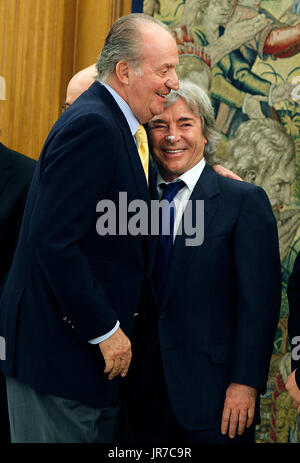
(190, 177)
(125, 108)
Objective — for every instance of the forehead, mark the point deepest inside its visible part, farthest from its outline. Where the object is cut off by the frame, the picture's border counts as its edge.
(159, 47)
(177, 111)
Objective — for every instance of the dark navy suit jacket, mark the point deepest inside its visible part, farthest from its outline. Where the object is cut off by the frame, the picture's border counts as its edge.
(219, 313)
(15, 175)
(67, 284)
(293, 292)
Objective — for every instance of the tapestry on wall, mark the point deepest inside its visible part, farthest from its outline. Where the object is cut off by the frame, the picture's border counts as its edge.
(253, 79)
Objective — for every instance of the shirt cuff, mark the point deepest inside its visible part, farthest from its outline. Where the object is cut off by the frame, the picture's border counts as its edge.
(105, 336)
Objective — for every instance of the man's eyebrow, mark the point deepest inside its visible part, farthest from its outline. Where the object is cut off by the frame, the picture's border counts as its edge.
(166, 65)
(181, 119)
(159, 121)
(184, 119)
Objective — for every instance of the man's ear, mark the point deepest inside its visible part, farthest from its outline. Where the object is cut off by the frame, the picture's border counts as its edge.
(122, 72)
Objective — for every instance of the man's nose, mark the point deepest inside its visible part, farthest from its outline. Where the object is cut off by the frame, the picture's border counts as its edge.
(172, 82)
(173, 135)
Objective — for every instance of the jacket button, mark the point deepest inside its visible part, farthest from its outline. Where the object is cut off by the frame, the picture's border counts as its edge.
(162, 315)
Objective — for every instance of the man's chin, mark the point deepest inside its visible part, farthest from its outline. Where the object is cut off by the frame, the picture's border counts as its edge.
(157, 109)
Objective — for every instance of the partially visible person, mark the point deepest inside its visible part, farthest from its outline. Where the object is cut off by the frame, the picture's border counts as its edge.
(206, 332)
(79, 83)
(293, 291)
(15, 175)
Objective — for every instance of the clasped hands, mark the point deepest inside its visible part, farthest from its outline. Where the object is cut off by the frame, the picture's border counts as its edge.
(116, 351)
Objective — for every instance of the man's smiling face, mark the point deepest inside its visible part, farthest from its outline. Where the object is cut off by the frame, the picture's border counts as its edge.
(185, 148)
(156, 76)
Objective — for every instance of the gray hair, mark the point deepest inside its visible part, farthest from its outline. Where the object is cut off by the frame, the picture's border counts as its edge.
(258, 145)
(199, 103)
(124, 42)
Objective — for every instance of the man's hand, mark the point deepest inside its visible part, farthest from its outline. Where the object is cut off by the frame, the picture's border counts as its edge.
(239, 409)
(117, 354)
(293, 390)
(225, 172)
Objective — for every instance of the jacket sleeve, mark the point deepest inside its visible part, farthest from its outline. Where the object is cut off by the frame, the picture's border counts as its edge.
(75, 173)
(258, 289)
(293, 293)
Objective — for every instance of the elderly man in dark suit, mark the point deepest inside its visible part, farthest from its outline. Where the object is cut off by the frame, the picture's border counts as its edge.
(15, 175)
(67, 307)
(205, 336)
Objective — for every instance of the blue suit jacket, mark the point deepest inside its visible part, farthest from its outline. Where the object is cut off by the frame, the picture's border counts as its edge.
(293, 292)
(219, 313)
(67, 284)
(15, 175)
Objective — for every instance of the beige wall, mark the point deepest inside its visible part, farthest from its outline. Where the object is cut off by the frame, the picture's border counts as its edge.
(43, 43)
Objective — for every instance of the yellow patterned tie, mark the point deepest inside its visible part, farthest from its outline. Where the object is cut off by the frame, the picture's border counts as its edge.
(143, 148)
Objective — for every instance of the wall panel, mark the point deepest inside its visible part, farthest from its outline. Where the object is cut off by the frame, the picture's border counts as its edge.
(34, 34)
(43, 43)
(94, 19)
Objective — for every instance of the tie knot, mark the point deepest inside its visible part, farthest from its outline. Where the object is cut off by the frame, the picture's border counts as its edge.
(171, 190)
(141, 135)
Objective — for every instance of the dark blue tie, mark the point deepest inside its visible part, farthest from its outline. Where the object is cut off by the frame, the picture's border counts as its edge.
(165, 245)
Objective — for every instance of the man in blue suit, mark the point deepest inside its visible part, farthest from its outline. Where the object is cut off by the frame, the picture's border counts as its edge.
(71, 291)
(205, 336)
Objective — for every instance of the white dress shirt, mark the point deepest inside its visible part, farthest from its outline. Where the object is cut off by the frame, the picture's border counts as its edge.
(190, 178)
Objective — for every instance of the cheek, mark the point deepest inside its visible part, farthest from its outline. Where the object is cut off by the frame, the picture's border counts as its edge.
(155, 140)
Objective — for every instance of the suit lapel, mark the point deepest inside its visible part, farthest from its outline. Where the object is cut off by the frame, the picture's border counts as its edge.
(136, 166)
(131, 150)
(206, 189)
(153, 181)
